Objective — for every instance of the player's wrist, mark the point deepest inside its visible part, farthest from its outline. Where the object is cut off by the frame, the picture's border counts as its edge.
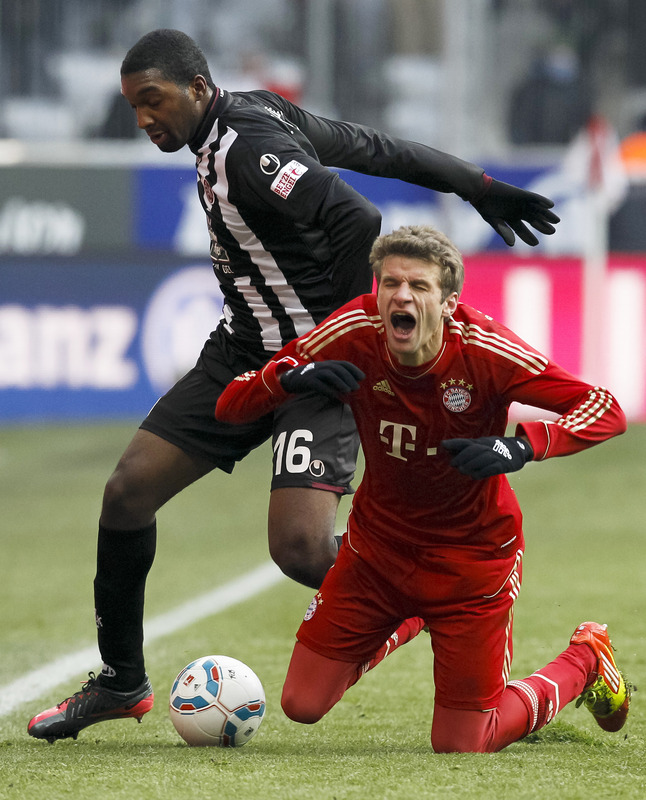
(487, 180)
(525, 449)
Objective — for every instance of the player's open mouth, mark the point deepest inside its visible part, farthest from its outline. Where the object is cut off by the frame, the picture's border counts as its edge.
(157, 136)
(402, 323)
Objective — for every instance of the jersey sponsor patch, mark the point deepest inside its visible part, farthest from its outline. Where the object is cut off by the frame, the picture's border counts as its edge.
(456, 399)
(286, 179)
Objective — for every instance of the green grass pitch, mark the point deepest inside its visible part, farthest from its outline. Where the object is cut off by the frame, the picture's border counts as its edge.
(585, 559)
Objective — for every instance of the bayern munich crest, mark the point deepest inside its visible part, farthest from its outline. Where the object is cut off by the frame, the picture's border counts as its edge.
(456, 399)
(311, 610)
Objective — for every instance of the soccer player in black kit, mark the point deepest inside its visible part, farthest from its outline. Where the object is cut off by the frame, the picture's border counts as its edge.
(290, 242)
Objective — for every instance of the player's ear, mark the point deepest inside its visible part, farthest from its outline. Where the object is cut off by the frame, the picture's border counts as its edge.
(450, 304)
(199, 86)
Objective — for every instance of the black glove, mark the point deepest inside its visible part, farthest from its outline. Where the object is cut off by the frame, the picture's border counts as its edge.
(329, 378)
(489, 455)
(506, 208)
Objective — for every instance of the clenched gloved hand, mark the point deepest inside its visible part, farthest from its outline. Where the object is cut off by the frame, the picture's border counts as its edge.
(329, 378)
(507, 208)
(488, 455)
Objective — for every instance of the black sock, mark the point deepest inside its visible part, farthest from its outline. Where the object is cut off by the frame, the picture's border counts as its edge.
(124, 559)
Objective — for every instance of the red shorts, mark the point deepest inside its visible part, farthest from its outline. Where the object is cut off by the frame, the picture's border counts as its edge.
(467, 604)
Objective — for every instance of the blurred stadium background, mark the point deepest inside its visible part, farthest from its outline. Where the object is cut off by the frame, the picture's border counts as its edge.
(106, 293)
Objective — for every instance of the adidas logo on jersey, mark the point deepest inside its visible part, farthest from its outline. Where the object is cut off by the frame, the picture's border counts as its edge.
(383, 386)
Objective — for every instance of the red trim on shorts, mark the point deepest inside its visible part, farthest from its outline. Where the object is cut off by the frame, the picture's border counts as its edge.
(327, 488)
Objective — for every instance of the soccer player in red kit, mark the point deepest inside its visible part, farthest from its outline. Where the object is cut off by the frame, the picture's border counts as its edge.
(435, 530)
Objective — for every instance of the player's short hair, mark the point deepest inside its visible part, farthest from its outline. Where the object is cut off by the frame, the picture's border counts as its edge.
(427, 244)
(173, 53)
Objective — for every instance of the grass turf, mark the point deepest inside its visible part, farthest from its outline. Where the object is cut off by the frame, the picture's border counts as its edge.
(584, 560)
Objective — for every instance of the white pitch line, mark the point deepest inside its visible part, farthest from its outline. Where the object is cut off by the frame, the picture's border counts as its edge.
(33, 685)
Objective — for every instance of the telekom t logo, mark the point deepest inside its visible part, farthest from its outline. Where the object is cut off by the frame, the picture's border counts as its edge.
(396, 439)
(399, 438)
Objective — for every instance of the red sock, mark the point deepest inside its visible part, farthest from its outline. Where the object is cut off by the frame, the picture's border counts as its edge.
(461, 731)
(551, 688)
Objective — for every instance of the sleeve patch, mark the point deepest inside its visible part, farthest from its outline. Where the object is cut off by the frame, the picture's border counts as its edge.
(286, 179)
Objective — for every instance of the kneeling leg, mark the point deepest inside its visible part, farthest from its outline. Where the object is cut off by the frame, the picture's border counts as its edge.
(314, 684)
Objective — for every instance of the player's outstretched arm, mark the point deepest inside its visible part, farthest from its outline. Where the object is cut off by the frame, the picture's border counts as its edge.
(488, 455)
(507, 208)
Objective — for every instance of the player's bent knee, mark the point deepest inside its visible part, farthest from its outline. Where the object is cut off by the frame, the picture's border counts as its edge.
(114, 493)
(301, 533)
(123, 505)
(303, 567)
(299, 709)
(304, 555)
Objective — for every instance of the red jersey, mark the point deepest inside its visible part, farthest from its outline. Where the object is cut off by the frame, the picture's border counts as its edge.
(409, 491)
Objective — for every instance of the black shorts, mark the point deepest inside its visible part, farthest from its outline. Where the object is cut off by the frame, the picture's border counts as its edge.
(315, 441)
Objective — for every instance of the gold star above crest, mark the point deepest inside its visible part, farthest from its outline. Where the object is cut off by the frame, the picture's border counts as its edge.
(456, 381)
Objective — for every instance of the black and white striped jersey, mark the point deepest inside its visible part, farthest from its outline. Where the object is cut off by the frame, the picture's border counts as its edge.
(289, 238)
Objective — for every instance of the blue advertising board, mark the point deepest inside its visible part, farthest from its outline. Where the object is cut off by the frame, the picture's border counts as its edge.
(82, 339)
